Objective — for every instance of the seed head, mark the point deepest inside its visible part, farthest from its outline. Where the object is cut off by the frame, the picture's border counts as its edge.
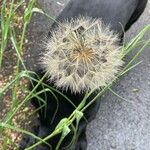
(82, 54)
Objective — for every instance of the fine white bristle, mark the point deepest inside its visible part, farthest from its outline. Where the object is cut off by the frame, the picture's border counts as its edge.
(82, 54)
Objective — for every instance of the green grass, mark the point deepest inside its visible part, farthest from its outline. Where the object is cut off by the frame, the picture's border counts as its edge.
(9, 35)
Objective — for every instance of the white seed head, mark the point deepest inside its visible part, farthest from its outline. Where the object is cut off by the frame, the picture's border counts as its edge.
(82, 54)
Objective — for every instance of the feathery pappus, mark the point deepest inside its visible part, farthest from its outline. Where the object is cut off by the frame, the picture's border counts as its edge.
(82, 54)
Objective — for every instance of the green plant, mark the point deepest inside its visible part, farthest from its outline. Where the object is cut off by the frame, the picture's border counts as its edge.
(8, 32)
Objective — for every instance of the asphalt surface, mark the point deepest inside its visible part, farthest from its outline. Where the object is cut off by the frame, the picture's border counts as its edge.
(119, 124)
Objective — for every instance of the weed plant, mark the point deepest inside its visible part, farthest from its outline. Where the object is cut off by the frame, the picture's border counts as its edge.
(10, 35)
